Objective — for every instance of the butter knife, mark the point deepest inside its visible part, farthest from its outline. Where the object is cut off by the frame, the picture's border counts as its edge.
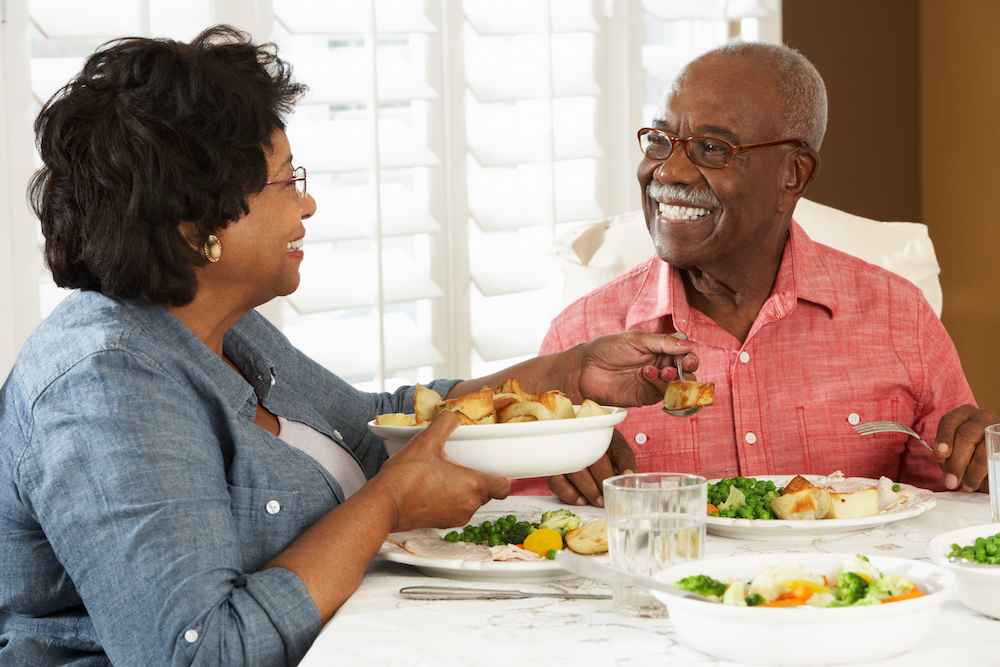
(457, 593)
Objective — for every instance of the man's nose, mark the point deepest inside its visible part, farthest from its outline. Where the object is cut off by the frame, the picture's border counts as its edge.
(678, 167)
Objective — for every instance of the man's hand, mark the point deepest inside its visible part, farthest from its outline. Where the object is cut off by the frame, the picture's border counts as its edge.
(960, 447)
(632, 368)
(587, 486)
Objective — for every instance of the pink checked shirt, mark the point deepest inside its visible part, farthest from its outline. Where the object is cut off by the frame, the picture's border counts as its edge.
(839, 342)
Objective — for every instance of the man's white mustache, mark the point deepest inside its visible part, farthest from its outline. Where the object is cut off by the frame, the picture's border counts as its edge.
(692, 196)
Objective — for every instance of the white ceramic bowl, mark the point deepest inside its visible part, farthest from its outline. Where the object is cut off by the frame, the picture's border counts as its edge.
(523, 449)
(978, 587)
(806, 635)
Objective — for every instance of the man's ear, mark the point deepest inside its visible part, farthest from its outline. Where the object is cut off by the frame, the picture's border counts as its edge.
(801, 168)
(189, 232)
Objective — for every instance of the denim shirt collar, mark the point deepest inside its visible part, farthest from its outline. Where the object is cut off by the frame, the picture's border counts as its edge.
(160, 323)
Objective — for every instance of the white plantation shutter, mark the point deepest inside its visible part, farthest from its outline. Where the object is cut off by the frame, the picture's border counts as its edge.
(447, 143)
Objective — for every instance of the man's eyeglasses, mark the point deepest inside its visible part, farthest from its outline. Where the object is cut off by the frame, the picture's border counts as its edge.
(703, 151)
(299, 178)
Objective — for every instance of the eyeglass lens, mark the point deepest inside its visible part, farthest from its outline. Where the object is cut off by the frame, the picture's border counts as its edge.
(703, 151)
(300, 185)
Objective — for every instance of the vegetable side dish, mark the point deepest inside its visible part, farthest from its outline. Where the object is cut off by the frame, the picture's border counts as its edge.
(985, 550)
(854, 583)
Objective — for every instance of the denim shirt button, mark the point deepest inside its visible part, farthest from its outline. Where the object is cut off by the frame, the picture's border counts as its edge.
(272, 507)
(191, 636)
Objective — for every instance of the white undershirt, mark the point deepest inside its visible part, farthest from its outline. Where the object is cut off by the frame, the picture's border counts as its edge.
(326, 451)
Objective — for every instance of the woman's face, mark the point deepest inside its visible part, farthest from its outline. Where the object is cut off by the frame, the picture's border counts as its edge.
(261, 251)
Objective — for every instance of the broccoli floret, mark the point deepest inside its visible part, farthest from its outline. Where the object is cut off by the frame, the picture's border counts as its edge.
(518, 532)
(702, 585)
(851, 587)
(755, 599)
(561, 521)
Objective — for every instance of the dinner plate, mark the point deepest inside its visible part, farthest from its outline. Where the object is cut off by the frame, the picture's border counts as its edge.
(514, 571)
(806, 530)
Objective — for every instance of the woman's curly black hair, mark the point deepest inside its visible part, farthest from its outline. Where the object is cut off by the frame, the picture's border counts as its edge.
(153, 132)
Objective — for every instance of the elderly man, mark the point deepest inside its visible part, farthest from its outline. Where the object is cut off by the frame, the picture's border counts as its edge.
(801, 341)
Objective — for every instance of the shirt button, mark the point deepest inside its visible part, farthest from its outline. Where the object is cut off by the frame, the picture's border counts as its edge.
(273, 507)
(853, 419)
(640, 438)
(750, 438)
(337, 435)
(744, 356)
(191, 636)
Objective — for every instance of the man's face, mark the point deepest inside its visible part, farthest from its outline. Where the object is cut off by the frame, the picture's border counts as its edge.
(700, 217)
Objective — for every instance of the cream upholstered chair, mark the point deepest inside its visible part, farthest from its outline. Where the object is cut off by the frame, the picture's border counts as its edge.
(595, 252)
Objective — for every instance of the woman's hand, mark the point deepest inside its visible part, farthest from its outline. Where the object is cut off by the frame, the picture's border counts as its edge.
(428, 488)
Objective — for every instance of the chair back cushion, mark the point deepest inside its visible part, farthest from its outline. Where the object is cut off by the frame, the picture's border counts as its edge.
(595, 252)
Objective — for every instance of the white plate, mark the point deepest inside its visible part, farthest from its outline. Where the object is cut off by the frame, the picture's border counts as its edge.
(517, 571)
(519, 450)
(806, 530)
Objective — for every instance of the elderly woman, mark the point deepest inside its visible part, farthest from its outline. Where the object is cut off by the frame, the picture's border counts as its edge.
(178, 484)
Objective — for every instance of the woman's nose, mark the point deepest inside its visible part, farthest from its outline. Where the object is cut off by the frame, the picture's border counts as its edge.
(308, 207)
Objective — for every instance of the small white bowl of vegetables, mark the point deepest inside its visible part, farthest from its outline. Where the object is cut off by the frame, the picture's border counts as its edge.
(978, 582)
(789, 609)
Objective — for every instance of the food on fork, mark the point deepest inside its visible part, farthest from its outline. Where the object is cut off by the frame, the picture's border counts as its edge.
(505, 404)
(684, 394)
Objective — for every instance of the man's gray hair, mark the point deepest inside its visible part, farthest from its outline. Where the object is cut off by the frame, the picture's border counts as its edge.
(798, 82)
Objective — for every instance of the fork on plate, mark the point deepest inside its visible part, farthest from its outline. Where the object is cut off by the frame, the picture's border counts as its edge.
(893, 427)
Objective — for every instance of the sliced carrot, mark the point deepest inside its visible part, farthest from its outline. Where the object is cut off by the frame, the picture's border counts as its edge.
(801, 592)
(712, 509)
(788, 602)
(915, 593)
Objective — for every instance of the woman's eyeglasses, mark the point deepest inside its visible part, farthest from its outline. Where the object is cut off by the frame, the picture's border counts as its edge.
(299, 178)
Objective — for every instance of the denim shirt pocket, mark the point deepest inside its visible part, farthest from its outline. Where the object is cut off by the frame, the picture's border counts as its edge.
(827, 434)
(267, 521)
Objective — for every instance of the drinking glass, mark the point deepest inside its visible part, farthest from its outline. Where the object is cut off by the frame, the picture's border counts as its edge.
(655, 520)
(993, 461)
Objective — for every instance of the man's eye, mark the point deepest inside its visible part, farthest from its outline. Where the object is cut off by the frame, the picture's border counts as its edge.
(712, 147)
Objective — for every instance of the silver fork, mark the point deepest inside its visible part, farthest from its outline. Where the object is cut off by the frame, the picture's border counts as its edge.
(894, 427)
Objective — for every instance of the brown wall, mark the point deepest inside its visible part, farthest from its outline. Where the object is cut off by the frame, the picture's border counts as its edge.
(903, 77)
(868, 55)
(960, 106)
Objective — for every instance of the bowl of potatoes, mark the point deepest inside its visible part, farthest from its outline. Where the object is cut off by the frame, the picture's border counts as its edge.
(508, 432)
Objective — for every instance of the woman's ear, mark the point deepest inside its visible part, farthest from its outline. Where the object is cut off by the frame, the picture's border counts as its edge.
(188, 231)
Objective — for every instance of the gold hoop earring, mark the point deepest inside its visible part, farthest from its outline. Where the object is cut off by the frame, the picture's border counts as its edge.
(212, 248)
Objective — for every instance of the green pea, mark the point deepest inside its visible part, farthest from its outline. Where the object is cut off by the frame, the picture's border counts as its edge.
(551, 555)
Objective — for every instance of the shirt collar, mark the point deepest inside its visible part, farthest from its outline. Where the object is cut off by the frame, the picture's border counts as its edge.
(802, 275)
(161, 324)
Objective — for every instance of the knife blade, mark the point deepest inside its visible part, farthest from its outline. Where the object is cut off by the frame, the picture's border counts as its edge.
(458, 593)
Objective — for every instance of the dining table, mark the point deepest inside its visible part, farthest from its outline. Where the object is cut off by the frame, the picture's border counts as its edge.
(379, 626)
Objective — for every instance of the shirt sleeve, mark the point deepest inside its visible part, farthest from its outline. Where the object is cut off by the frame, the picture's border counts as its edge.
(943, 387)
(130, 487)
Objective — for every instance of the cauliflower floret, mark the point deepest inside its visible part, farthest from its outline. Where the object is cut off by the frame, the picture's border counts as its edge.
(771, 582)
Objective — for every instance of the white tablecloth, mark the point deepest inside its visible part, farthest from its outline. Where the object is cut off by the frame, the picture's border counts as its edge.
(377, 626)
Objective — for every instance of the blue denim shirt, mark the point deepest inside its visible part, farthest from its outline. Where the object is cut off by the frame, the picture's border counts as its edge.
(138, 501)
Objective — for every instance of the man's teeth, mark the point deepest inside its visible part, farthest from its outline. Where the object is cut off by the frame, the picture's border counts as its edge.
(682, 212)
(294, 245)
